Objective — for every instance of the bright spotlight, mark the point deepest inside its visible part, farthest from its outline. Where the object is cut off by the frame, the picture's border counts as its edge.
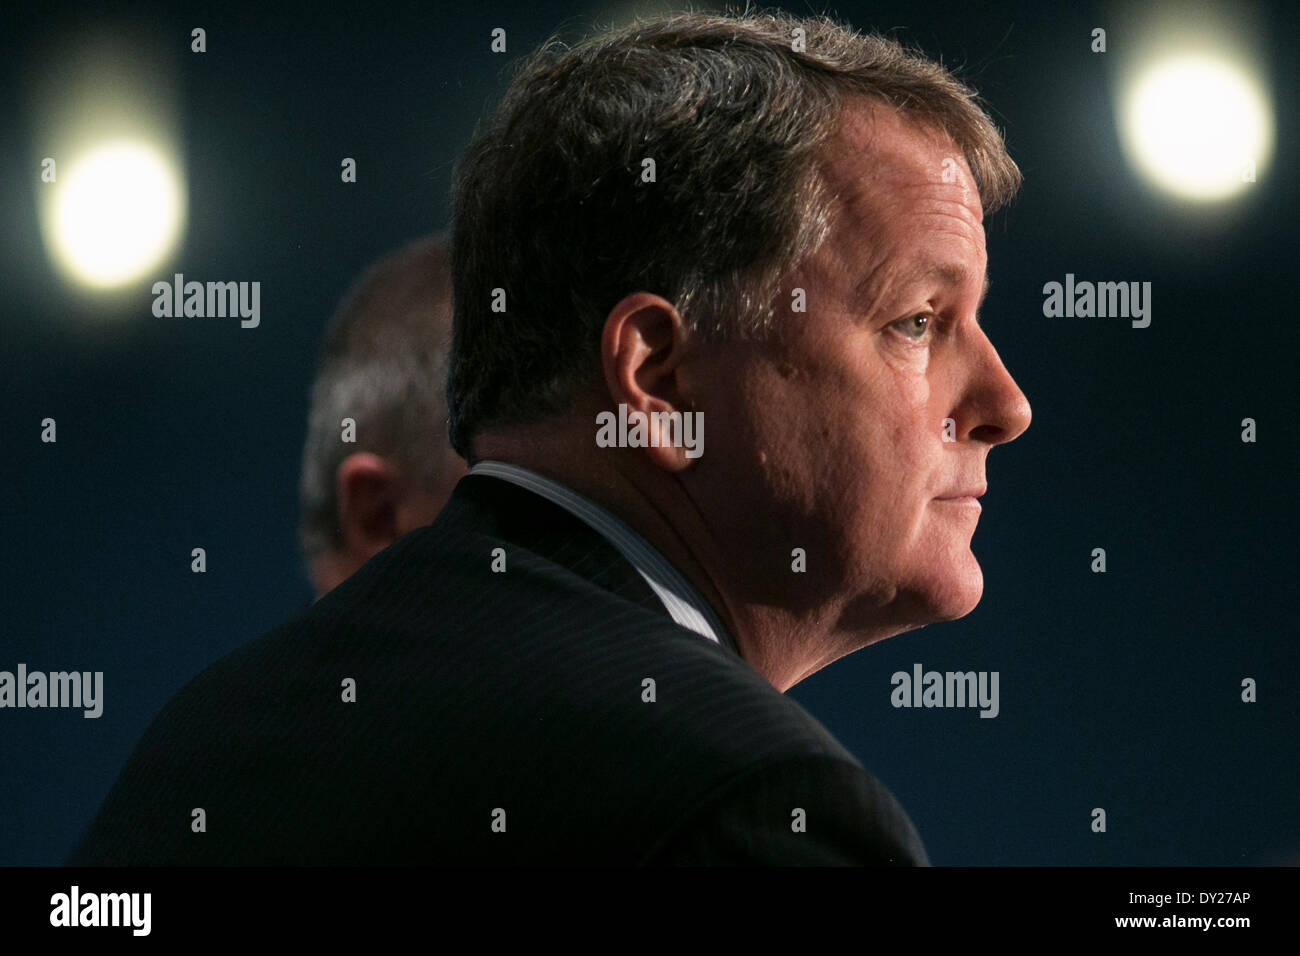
(1198, 126)
(116, 214)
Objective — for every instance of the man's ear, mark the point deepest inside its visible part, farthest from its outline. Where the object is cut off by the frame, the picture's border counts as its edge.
(642, 348)
(369, 493)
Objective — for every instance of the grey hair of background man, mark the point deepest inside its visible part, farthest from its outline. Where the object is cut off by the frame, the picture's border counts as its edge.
(551, 206)
(382, 364)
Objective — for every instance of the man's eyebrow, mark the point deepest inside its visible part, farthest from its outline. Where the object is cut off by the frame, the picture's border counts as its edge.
(949, 273)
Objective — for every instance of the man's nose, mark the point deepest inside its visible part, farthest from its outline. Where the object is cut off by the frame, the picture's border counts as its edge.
(996, 409)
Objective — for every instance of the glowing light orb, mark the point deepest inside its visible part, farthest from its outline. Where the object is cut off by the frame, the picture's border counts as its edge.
(117, 213)
(1195, 125)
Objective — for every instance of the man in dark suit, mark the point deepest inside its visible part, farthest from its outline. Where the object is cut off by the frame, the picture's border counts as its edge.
(770, 224)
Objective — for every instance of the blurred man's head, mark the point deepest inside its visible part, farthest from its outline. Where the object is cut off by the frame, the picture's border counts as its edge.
(383, 366)
(777, 223)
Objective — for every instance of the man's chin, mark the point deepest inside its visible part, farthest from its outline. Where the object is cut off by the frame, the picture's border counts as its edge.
(952, 594)
(923, 602)
(960, 594)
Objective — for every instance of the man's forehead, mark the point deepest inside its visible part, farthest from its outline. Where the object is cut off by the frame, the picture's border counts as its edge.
(880, 157)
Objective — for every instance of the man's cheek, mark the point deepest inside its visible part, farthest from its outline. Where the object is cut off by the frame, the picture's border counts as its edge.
(902, 359)
(920, 412)
(904, 385)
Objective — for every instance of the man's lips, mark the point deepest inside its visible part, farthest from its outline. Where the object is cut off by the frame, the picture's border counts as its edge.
(967, 501)
(972, 494)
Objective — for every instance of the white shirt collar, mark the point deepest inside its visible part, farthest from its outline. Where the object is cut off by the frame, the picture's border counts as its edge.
(682, 602)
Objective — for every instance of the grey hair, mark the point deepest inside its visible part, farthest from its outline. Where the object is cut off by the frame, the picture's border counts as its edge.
(550, 206)
(383, 363)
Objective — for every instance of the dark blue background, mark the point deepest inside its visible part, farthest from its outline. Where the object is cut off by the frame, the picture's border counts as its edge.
(1119, 690)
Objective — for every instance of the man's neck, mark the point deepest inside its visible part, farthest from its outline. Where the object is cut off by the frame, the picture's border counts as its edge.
(783, 645)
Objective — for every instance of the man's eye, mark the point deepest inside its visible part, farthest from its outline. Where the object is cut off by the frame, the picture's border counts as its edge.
(914, 327)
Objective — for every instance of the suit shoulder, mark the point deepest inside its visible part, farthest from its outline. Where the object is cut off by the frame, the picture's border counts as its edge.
(427, 680)
(705, 694)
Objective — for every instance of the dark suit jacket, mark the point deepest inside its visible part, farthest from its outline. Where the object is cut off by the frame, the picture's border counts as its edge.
(486, 699)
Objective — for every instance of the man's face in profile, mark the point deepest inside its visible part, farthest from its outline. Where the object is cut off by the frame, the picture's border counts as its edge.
(840, 416)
